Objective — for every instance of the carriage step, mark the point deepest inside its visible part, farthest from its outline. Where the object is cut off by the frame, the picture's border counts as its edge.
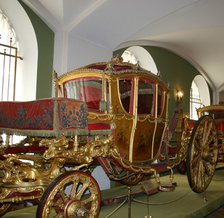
(167, 187)
(121, 193)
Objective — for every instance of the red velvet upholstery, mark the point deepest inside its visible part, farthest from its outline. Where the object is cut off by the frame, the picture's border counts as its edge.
(220, 124)
(45, 117)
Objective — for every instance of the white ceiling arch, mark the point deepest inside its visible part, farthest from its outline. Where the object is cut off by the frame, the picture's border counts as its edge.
(172, 49)
(192, 28)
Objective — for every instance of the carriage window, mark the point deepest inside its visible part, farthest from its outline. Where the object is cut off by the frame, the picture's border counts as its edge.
(85, 89)
(125, 87)
(145, 96)
(160, 101)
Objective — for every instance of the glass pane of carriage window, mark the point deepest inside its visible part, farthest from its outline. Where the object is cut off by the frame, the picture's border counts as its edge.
(88, 90)
(145, 96)
(160, 101)
(125, 87)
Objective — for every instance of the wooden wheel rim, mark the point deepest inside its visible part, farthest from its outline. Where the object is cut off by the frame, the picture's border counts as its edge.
(202, 154)
(73, 194)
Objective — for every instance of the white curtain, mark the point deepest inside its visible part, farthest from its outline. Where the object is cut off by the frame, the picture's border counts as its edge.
(7, 61)
(7, 31)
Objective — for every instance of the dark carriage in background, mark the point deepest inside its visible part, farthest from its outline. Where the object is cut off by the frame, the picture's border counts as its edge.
(112, 114)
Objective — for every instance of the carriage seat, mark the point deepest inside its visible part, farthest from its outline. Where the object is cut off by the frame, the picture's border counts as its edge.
(45, 118)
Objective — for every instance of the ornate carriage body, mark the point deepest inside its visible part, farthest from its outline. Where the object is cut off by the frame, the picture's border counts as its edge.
(112, 114)
(127, 100)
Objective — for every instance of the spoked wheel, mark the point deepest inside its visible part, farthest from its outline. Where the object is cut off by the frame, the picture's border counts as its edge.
(202, 154)
(72, 194)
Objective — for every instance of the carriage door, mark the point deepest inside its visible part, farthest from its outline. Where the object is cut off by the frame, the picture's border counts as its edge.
(149, 131)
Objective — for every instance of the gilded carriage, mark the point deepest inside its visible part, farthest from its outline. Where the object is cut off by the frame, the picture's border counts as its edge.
(111, 114)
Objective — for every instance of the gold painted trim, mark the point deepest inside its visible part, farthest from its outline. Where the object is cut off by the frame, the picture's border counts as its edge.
(156, 100)
(155, 113)
(119, 94)
(209, 108)
(135, 114)
(163, 135)
(153, 139)
(163, 103)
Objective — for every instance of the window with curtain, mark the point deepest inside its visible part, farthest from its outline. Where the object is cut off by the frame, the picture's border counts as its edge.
(199, 95)
(195, 101)
(129, 57)
(7, 30)
(138, 54)
(8, 64)
(8, 59)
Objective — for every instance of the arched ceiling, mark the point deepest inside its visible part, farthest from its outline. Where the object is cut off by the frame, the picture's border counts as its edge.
(192, 28)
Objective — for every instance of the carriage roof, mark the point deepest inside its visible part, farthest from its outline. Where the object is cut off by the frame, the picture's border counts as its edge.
(114, 68)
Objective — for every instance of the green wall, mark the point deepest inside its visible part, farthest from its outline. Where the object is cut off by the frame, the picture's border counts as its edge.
(175, 71)
(45, 41)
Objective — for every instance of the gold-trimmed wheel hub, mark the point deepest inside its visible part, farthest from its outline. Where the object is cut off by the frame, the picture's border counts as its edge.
(75, 208)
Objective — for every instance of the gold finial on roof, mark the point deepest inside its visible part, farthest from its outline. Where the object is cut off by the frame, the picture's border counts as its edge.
(117, 59)
(114, 60)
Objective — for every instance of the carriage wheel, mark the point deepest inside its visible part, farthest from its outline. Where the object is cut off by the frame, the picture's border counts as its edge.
(4, 208)
(72, 194)
(202, 154)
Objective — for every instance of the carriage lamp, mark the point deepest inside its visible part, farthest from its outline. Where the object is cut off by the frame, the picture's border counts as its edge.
(179, 96)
